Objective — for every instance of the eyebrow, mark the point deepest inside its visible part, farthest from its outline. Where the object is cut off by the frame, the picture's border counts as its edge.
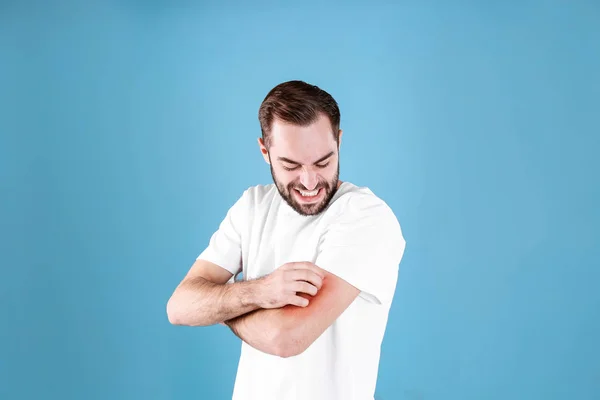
(287, 160)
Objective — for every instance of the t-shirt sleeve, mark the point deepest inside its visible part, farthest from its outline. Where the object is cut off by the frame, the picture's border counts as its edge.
(225, 245)
(364, 245)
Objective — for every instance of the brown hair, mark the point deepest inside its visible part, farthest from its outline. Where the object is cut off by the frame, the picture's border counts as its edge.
(299, 103)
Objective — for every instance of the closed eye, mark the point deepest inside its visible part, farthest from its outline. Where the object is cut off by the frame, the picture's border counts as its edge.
(320, 163)
(297, 166)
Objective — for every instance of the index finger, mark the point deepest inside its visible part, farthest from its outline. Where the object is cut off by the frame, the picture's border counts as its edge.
(308, 265)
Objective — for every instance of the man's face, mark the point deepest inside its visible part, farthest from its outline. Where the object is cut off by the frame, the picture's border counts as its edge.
(304, 163)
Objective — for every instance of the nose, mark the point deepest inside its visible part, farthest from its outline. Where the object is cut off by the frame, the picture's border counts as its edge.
(309, 179)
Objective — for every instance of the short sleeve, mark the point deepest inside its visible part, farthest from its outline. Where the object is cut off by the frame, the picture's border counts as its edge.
(225, 246)
(364, 245)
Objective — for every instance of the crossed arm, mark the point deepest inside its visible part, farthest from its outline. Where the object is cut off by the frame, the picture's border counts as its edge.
(290, 330)
(284, 332)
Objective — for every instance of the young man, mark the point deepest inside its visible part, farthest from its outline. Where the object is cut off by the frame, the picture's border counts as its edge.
(319, 259)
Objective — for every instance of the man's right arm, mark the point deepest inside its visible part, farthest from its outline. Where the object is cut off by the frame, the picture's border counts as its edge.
(204, 298)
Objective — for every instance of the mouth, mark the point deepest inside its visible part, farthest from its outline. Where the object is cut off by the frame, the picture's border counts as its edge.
(309, 196)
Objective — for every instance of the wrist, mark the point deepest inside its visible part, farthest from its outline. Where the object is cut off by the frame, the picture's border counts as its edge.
(251, 294)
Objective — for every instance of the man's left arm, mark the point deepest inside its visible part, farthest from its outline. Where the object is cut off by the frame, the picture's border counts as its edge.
(290, 330)
(359, 255)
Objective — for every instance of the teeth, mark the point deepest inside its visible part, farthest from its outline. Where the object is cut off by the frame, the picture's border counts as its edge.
(309, 194)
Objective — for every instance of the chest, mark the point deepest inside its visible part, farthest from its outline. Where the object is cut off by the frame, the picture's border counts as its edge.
(275, 239)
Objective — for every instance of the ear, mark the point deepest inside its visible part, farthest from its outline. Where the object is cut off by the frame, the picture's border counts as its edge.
(263, 150)
(340, 139)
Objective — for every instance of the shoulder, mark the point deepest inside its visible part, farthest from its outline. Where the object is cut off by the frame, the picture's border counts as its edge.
(255, 198)
(356, 203)
(252, 201)
(358, 217)
(258, 194)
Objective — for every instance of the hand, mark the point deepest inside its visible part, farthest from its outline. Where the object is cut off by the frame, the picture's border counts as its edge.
(282, 286)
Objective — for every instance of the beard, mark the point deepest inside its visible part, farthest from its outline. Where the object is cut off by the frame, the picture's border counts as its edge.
(306, 210)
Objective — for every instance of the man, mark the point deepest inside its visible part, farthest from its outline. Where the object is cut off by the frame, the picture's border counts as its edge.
(319, 259)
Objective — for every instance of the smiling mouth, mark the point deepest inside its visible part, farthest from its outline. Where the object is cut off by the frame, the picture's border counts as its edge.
(308, 195)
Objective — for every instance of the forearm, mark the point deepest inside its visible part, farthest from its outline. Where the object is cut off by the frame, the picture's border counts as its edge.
(199, 302)
(288, 331)
(259, 329)
(272, 331)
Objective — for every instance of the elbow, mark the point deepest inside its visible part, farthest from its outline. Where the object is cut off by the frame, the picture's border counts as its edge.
(174, 313)
(286, 343)
(177, 314)
(287, 352)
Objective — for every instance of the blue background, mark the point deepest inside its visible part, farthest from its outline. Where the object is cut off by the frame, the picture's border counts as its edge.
(129, 128)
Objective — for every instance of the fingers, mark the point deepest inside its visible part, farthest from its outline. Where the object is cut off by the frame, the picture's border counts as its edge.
(304, 287)
(305, 275)
(298, 301)
(296, 280)
(304, 265)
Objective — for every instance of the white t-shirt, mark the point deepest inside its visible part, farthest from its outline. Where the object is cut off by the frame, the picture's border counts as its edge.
(357, 238)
